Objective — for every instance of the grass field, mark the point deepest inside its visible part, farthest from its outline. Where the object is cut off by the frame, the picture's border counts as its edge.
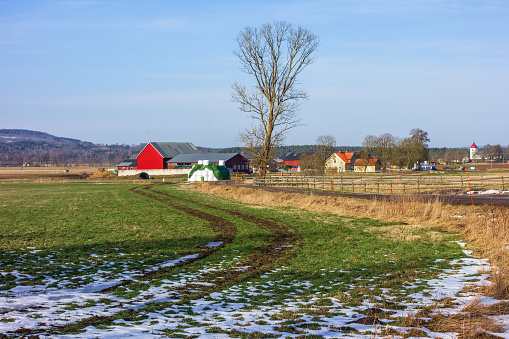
(152, 260)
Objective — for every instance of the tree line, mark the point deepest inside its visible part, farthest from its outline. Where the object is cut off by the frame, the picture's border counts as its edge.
(393, 151)
(41, 153)
(387, 148)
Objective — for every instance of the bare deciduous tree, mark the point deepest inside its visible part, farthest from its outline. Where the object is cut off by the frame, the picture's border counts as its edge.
(312, 164)
(414, 149)
(325, 145)
(402, 152)
(368, 150)
(274, 54)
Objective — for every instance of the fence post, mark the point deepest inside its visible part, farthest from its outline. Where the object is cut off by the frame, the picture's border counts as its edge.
(332, 183)
(378, 187)
(418, 185)
(364, 187)
(503, 188)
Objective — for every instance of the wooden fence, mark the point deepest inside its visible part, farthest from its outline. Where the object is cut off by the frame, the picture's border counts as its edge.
(409, 184)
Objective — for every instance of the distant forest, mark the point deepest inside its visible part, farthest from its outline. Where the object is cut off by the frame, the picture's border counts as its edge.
(43, 149)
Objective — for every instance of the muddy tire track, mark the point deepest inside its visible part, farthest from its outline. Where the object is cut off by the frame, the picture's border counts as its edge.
(224, 229)
(282, 244)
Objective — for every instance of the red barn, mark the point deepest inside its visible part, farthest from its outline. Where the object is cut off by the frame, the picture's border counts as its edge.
(156, 154)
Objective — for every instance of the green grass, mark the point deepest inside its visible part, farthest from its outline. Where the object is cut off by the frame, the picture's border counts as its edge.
(62, 227)
(333, 243)
(68, 231)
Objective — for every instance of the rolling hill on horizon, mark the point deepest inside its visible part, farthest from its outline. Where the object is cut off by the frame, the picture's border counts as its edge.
(39, 149)
(17, 135)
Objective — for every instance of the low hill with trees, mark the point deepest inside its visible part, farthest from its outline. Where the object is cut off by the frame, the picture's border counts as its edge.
(43, 149)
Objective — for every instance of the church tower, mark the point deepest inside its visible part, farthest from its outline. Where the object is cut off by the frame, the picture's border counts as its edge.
(473, 151)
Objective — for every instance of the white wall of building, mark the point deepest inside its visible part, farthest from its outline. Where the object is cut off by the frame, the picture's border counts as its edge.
(152, 172)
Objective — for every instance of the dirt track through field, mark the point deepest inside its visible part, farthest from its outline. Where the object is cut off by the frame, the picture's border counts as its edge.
(281, 244)
(276, 250)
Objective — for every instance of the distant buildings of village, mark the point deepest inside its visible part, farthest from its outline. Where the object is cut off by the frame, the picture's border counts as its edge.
(337, 162)
(184, 155)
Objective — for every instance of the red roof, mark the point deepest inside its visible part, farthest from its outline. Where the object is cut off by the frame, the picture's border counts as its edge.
(346, 156)
(473, 145)
(362, 162)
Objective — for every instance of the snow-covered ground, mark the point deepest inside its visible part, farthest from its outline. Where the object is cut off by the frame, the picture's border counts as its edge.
(249, 307)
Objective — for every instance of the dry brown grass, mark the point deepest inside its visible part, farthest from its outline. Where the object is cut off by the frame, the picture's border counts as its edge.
(466, 324)
(102, 175)
(404, 232)
(44, 174)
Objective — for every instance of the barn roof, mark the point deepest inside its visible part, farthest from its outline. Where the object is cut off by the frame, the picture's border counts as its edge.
(212, 157)
(295, 155)
(129, 163)
(172, 149)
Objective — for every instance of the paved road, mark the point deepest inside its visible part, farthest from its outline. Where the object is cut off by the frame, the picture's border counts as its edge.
(464, 199)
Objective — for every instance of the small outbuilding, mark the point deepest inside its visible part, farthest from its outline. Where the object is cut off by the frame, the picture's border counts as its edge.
(369, 165)
(129, 164)
(204, 171)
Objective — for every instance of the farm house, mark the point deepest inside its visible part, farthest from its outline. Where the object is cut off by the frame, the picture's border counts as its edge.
(341, 161)
(156, 154)
(234, 162)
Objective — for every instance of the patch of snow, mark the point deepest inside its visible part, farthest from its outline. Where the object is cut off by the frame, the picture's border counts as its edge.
(487, 192)
(214, 244)
(246, 307)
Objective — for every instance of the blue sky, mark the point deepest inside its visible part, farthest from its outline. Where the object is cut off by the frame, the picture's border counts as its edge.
(137, 71)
